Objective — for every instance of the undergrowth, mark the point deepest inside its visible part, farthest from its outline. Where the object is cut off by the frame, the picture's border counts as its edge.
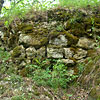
(55, 76)
(49, 72)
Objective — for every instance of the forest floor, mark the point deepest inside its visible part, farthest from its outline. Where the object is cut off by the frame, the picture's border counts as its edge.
(17, 88)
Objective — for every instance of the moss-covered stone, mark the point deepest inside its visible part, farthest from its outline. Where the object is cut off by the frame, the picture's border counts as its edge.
(91, 53)
(72, 40)
(44, 41)
(16, 52)
(53, 34)
(67, 25)
(28, 28)
(88, 23)
(78, 32)
(58, 14)
(13, 40)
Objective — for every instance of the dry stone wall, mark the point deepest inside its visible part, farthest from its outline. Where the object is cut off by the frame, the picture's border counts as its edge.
(68, 35)
(58, 34)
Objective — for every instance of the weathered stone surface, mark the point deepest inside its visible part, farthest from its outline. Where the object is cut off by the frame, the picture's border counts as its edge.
(54, 52)
(22, 64)
(81, 61)
(29, 40)
(80, 53)
(85, 43)
(1, 34)
(43, 97)
(28, 61)
(33, 40)
(60, 40)
(30, 52)
(41, 52)
(68, 61)
(68, 53)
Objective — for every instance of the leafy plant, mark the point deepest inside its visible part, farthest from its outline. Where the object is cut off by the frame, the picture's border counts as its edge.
(15, 78)
(18, 97)
(4, 56)
(80, 68)
(60, 28)
(57, 76)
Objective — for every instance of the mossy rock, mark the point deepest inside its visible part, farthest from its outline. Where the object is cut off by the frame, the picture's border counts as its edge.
(33, 40)
(58, 14)
(53, 34)
(78, 32)
(7, 34)
(42, 31)
(44, 41)
(91, 53)
(13, 40)
(96, 19)
(54, 46)
(24, 26)
(16, 51)
(72, 40)
(88, 23)
(77, 29)
(67, 25)
(28, 28)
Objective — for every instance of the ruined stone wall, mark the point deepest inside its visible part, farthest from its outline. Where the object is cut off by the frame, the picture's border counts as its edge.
(69, 35)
